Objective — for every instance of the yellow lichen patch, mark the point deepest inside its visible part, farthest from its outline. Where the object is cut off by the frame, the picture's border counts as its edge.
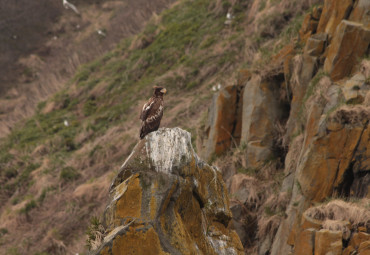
(137, 242)
(105, 251)
(130, 203)
(185, 230)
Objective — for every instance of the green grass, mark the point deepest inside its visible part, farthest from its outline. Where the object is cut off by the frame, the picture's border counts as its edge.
(28, 207)
(69, 174)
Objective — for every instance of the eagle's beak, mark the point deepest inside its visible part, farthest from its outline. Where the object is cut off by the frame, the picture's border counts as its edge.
(164, 91)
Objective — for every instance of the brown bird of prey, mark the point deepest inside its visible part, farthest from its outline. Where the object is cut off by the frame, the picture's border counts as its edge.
(152, 112)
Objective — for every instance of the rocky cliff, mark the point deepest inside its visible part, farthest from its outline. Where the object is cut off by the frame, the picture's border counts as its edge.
(166, 200)
(301, 123)
(287, 84)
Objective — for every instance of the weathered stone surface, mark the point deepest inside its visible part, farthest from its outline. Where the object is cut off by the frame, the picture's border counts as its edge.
(360, 12)
(328, 242)
(354, 89)
(316, 44)
(333, 13)
(342, 55)
(305, 243)
(364, 248)
(310, 24)
(238, 221)
(303, 69)
(348, 251)
(310, 223)
(359, 238)
(165, 200)
(328, 156)
(224, 121)
(244, 188)
(261, 110)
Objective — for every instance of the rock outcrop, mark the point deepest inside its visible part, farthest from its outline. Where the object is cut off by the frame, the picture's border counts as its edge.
(224, 122)
(325, 134)
(166, 200)
(342, 55)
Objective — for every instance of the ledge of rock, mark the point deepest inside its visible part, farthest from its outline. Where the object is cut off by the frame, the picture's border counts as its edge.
(166, 200)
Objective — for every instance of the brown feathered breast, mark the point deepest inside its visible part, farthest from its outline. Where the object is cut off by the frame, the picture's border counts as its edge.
(151, 115)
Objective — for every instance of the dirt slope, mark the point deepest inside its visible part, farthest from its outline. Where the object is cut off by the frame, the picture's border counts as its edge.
(42, 44)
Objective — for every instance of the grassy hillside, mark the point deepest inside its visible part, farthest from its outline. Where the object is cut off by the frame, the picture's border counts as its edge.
(54, 177)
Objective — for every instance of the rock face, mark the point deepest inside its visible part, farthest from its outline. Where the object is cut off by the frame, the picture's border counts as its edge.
(323, 145)
(224, 122)
(261, 110)
(342, 56)
(332, 14)
(166, 200)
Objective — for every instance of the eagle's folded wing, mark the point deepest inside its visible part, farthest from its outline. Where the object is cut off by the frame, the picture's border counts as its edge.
(146, 109)
(157, 116)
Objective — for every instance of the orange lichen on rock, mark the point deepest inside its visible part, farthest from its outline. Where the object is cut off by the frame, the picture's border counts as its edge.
(333, 13)
(328, 242)
(342, 55)
(176, 205)
(305, 243)
(224, 127)
(137, 241)
(130, 203)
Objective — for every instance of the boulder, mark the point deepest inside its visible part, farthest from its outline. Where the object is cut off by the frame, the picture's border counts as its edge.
(342, 55)
(333, 13)
(261, 110)
(328, 242)
(166, 200)
(305, 243)
(360, 12)
(224, 121)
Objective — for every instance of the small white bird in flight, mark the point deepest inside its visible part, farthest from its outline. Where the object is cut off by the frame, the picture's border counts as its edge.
(100, 32)
(68, 5)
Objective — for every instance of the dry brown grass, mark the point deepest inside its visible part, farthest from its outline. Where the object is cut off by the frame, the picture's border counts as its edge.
(336, 225)
(358, 214)
(353, 115)
(246, 189)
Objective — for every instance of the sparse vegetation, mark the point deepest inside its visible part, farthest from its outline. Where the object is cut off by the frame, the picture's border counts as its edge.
(69, 174)
(186, 49)
(95, 233)
(28, 207)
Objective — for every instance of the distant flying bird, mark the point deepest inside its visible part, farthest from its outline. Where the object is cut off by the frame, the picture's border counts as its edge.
(152, 112)
(68, 5)
(100, 32)
(66, 123)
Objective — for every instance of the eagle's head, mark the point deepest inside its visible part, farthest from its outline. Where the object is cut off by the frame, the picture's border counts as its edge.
(159, 91)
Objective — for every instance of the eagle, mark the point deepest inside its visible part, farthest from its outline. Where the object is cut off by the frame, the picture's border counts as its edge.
(152, 112)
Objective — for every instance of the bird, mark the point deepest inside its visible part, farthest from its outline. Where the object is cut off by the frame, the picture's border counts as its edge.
(68, 5)
(152, 112)
(101, 32)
